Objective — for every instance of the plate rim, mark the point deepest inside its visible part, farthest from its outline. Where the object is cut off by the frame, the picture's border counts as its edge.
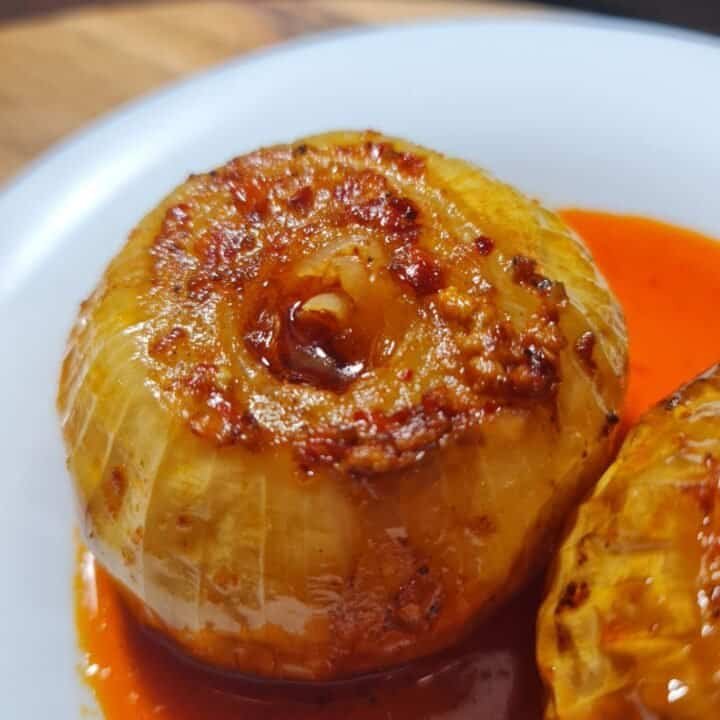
(568, 19)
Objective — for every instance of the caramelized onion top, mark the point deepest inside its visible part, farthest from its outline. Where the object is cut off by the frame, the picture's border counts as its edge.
(414, 288)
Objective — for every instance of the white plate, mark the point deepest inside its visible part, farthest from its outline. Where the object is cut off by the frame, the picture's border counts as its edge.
(578, 112)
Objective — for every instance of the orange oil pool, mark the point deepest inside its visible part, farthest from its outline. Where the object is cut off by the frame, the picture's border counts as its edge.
(668, 281)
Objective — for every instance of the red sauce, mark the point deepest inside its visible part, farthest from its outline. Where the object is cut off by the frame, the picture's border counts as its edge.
(668, 281)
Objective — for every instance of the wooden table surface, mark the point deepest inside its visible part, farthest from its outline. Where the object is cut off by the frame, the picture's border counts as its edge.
(60, 71)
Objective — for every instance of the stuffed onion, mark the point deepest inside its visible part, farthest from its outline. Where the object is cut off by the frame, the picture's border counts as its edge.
(331, 402)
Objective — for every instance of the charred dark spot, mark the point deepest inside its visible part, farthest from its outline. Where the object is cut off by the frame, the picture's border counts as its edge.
(404, 208)
(434, 610)
(166, 345)
(183, 522)
(523, 268)
(114, 490)
(484, 245)
(584, 347)
(418, 268)
(673, 401)
(582, 552)
(611, 420)
(300, 149)
(406, 162)
(574, 595)
(537, 376)
(524, 272)
(302, 200)
(537, 359)
(387, 212)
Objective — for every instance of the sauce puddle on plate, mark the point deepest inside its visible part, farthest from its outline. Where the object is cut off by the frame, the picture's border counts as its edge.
(667, 280)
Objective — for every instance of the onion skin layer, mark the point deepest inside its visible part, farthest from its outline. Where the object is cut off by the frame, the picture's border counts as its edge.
(629, 628)
(331, 402)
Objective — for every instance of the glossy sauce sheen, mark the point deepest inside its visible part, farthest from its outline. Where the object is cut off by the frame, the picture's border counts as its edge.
(668, 281)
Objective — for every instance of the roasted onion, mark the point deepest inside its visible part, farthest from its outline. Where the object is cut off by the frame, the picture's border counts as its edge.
(631, 624)
(331, 401)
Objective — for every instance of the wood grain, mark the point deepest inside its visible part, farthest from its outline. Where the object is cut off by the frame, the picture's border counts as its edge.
(59, 72)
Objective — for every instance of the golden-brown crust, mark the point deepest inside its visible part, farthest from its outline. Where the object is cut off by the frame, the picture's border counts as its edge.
(227, 256)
